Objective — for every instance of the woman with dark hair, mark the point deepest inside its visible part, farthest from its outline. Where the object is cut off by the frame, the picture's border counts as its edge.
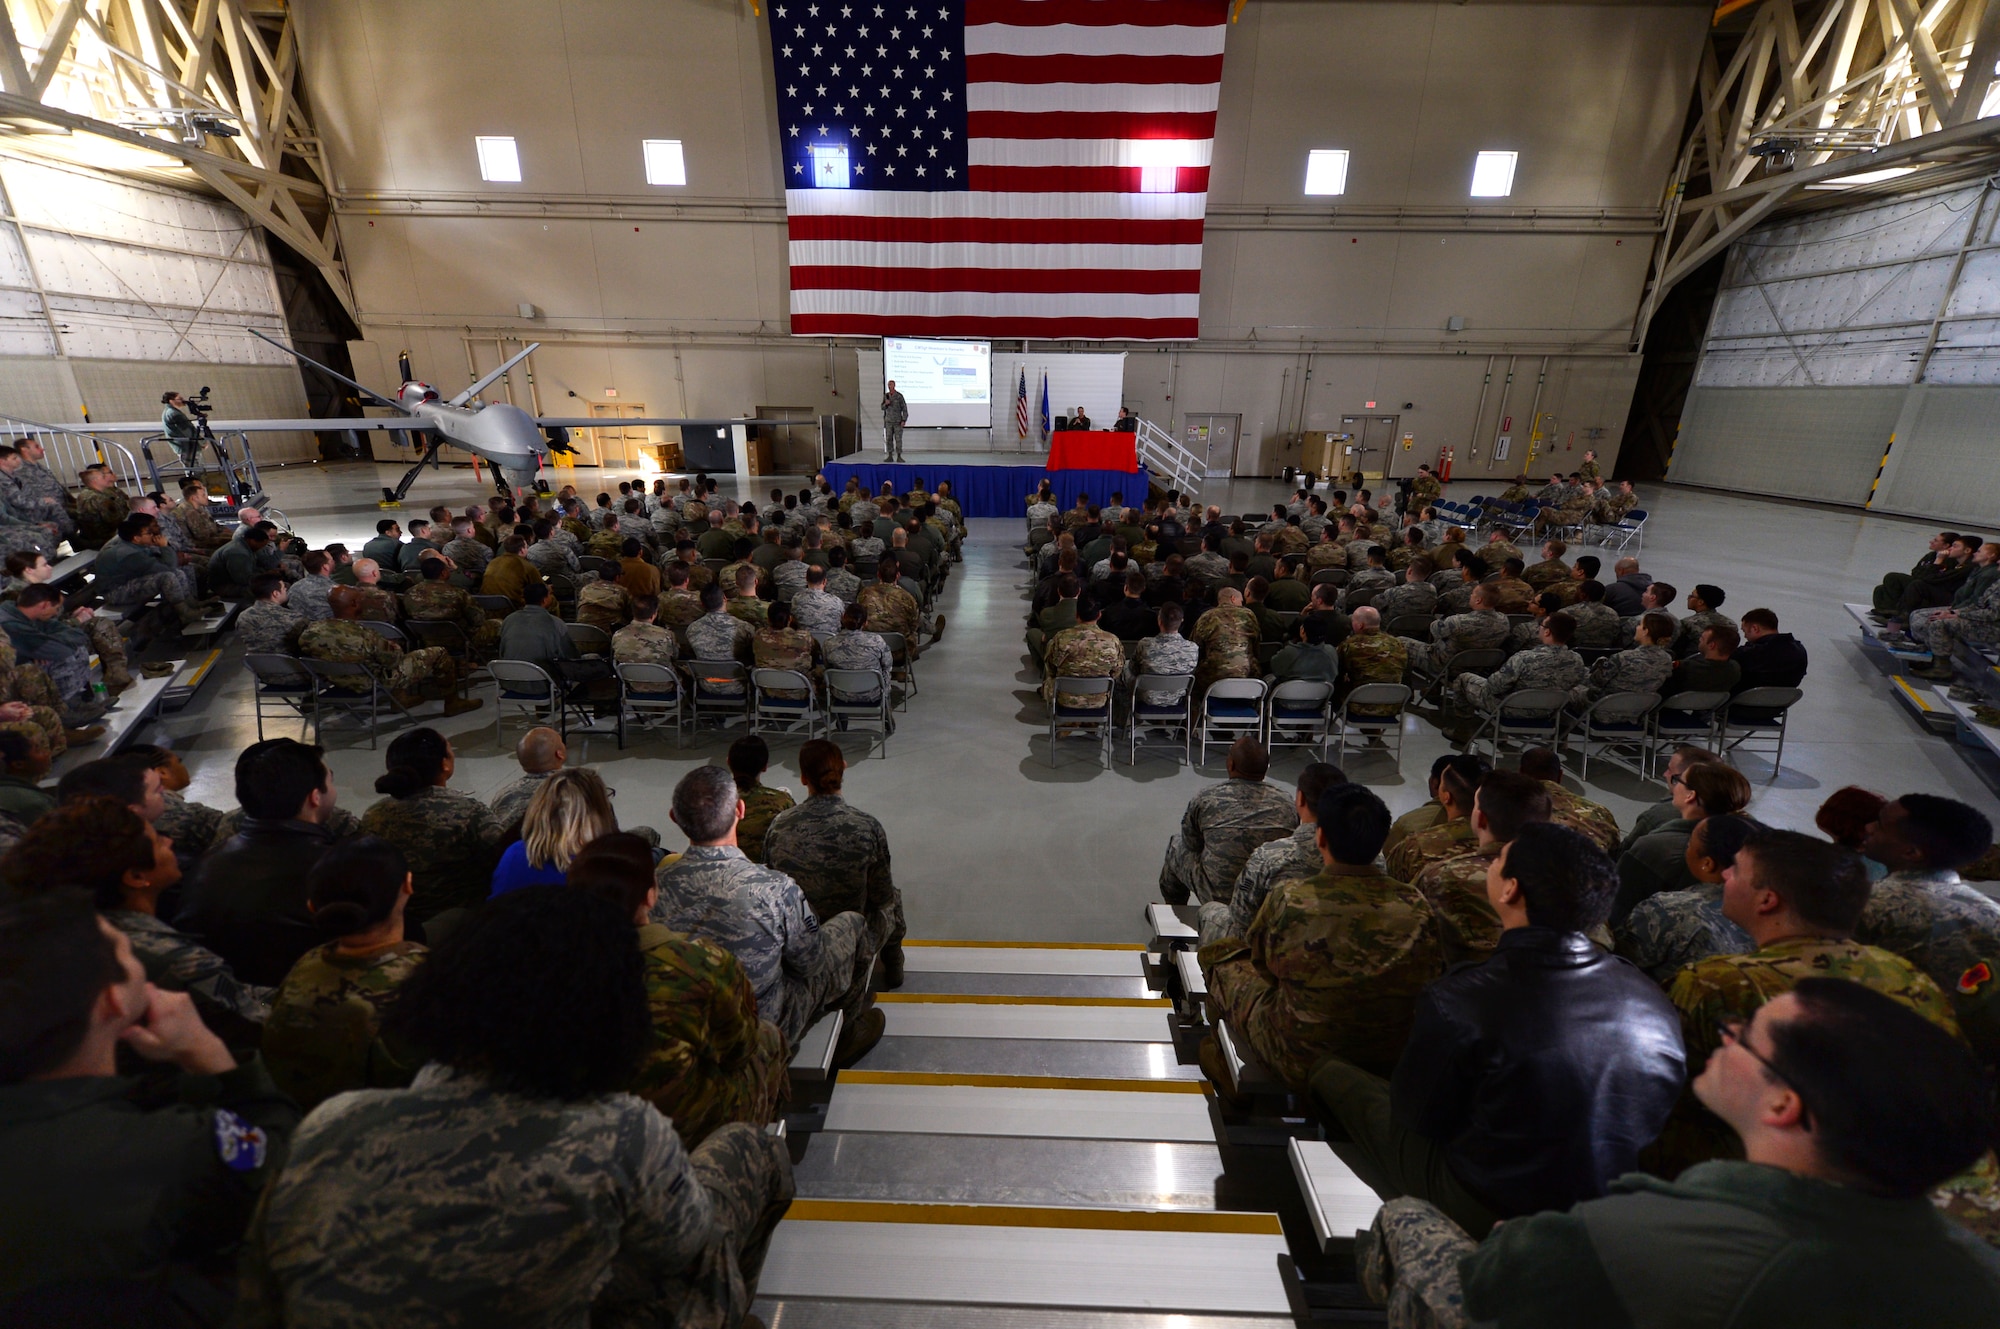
(1845, 818)
(324, 1033)
(1673, 928)
(101, 845)
(712, 1060)
(451, 841)
(1658, 861)
(514, 1182)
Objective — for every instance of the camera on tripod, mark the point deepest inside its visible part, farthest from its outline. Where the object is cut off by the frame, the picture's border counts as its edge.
(199, 405)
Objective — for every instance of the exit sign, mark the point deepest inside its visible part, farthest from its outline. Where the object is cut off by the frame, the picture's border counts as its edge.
(611, 392)
(1367, 405)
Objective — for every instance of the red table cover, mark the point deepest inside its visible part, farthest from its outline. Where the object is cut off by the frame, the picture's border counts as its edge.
(1093, 450)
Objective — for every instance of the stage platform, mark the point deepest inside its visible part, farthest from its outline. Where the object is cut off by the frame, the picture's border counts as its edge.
(986, 484)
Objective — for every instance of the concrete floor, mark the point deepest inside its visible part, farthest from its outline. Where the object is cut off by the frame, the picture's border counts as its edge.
(992, 842)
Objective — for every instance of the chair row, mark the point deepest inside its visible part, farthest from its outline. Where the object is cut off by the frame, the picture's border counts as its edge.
(1297, 713)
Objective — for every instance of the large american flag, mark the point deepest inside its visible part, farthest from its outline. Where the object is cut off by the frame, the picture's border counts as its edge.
(997, 168)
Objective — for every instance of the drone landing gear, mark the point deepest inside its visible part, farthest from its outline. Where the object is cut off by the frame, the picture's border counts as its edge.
(393, 498)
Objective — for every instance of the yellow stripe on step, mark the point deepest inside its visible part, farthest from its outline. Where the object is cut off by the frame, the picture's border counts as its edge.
(973, 1081)
(1002, 999)
(1001, 1215)
(1038, 945)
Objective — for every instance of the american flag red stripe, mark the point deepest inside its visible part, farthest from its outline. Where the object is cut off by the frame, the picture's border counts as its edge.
(1077, 211)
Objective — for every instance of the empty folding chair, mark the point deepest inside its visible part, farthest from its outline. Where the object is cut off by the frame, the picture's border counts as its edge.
(1082, 705)
(497, 605)
(281, 679)
(1176, 716)
(1481, 661)
(1532, 716)
(649, 693)
(1417, 626)
(531, 691)
(1231, 707)
(1757, 716)
(1686, 717)
(770, 711)
(1330, 577)
(1371, 711)
(587, 639)
(1618, 723)
(859, 696)
(1297, 715)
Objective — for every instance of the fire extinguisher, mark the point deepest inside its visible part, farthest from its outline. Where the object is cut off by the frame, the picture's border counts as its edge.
(1444, 465)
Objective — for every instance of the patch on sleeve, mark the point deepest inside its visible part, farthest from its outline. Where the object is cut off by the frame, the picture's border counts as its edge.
(1974, 979)
(240, 1145)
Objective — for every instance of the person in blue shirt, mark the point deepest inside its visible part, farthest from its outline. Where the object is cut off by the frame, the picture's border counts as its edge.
(571, 809)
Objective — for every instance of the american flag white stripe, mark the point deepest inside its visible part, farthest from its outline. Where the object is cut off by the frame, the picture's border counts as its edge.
(1058, 190)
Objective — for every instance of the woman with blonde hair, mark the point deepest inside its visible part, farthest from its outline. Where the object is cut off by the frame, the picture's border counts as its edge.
(571, 809)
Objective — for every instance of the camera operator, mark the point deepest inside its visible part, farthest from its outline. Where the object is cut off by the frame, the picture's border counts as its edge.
(178, 420)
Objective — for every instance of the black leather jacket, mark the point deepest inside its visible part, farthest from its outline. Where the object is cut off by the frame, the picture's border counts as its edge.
(1541, 1071)
(247, 901)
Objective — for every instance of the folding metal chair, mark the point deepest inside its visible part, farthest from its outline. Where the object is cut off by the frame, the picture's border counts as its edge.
(283, 679)
(648, 693)
(1233, 707)
(1330, 577)
(859, 695)
(1170, 716)
(782, 713)
(497, 605)
(906, 664)
(1065, 713)
(1532, 715)
(1373, 696)
(1617, 720)
(1481, 661)
(1299, 707)
(708, 692)
(587, 639)
(387, 631)
(352, 688)
(1758, 715)
(1686, 717)
(527, 687)
(1410, 625)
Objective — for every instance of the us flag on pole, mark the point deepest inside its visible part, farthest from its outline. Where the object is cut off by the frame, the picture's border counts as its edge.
(997, 168)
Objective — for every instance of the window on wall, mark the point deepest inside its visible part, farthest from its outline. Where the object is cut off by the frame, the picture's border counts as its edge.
(1326, 171)
(499, 160)
(664, 163)
(1493, 174)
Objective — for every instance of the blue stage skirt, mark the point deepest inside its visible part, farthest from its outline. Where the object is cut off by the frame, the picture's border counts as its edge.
(994, 491)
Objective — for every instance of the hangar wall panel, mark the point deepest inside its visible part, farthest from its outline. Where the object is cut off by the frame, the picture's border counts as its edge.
(1814, 443)
(1947, 468)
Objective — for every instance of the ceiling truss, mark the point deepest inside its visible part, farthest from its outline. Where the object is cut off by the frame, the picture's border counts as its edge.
(210, 86)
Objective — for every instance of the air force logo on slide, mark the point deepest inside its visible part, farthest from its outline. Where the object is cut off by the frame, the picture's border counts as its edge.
(240, 1145)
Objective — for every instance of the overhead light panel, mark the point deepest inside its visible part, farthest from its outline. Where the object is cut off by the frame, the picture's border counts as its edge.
(499, 159)
(1326, 171)
(1493, 174)
(665, 163)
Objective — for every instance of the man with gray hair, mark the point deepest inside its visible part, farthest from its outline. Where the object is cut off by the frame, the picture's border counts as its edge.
(800, 967)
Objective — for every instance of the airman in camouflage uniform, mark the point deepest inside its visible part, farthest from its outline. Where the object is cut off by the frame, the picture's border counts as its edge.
(891, 609)
(843, 584)
(1228, 637)
(1293, 857)
(799, 966)
(720, 636)
(1371, 655)
(98, 512)
(605, 605)
(839, 856)
(343, 641)
(173, 959)
(323, 1036)
(858, 649)
(470, 557)
(644, 643)
(1640, 669)
(1933, 920)
(761, 803)
(1221, 826)
(1978, 623)
(1666, 932)
(679, 606)
(441, 602)
(198, 519)
(1331, 966)
(1169, 655)
(1468, 929)
(1593, 821)
(268, 627)
(1547, 573)
(784, 648)
(664, 1235)
(191, 826)
(713, 1061)
(510, 801)
(450, 840)
(1411, 597)
(1552, 666)
(1418, 850)
(1687, 637)
(1474, 630)
(1084, 651)
(1597, 623)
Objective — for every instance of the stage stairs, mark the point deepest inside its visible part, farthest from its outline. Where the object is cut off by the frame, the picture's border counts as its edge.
(1031, 1143)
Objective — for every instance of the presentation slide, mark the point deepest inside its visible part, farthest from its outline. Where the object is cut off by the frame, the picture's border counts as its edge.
(946, 383)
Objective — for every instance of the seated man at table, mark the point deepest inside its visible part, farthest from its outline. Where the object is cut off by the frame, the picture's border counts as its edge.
(1126, 423)
(1078, 420)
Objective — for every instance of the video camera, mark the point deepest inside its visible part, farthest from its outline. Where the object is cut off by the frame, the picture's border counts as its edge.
(198, 405)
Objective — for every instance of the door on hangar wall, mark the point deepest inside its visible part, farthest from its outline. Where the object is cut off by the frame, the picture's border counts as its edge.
(1374, 437)
(613, 447)
(1213, 437)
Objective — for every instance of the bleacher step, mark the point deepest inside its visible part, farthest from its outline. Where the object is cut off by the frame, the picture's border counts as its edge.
(961, 957)
(1043, 1106)
(1024, 1256)
(1132, 984)
(1340, 1203)
(977, 1169)
(1089, 1019)
(1011, 1056)
(802, 1314)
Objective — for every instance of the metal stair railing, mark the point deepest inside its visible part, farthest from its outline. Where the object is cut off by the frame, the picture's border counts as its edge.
(71, 448)
(1163, 455)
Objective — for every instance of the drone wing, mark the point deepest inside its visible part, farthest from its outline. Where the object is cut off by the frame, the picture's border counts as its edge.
(368, 393)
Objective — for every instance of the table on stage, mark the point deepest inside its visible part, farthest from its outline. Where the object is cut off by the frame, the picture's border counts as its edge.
(1093, 450)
